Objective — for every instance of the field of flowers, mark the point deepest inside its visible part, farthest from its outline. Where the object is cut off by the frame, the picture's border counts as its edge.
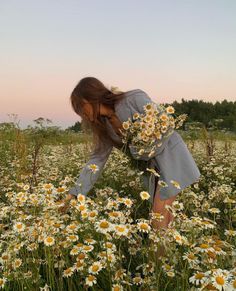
(105, 241)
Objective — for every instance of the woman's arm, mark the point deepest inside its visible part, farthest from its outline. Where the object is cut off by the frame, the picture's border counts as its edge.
(87, 178)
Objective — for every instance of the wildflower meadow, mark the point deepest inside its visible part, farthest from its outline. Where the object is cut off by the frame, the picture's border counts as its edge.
(105, 241)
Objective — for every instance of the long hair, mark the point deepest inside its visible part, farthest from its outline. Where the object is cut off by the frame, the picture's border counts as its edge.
(96, 93)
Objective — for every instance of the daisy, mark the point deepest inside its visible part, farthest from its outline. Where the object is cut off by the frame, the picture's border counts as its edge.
(2, 282)
(126, 125)
(170, 109)
(81, 257)
(17, 263)
(90, 241)
(156, 215)
(26, 187)
(163, 117)
(170, 274)
(110, 246)
(79, 265)
(61, 189)
(114, 215)
(72, 237)
(190, 257)
(132, 183)
(141, 152)
(178, 205)
(95, 267)
(81, 198)
(73, 202)
(232, 285)
(49, 241)
(48, 186)
(167, 267)
(204, 248)
(162, 183)
(103, 226)
(136, 115)
(137, 280)
(117, 287)
(81, 207)
(143, 226)
(68, 272)
(230, 232)
(175, 183)
(72, 227)
(45, 288)
(92, 215)
(90, 280)
(88, 248)
(93, 167)
(178, 238)
(214, 210)
(144, 195)
(229, 200)
(208, 224)
(219, 250)
(158, 135)
(121, 229)
(75, 251)
(128, 202)
(198, 278)
(153, 172)
(148, 106)
(219, 280)
(147, 119)
(19, 226)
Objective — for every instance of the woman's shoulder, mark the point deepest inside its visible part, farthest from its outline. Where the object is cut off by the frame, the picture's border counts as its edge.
(134, 91)
(135, 98)
(136, 94)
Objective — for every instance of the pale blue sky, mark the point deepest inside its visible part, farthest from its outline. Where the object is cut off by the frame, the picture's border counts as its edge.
(170, 49)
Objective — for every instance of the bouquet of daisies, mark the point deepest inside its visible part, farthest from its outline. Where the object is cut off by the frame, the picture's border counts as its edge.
(146, 132)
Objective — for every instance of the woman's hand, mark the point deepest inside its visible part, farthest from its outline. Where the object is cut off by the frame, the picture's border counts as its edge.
(66, 202)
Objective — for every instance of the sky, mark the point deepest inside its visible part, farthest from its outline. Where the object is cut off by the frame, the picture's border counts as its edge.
(171, 49)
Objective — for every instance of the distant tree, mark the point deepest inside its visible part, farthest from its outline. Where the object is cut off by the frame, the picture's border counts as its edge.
(76, 127)
(221, 115)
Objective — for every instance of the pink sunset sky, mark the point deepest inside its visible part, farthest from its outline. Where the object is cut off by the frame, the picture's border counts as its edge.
(170, 49)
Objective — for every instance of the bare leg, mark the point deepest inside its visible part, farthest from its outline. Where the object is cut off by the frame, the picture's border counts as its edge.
(159, 206)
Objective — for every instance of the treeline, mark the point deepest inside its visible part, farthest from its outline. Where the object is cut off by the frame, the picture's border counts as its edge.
(221, 115)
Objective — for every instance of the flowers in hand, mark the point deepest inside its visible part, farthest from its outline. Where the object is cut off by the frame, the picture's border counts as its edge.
(147, 131)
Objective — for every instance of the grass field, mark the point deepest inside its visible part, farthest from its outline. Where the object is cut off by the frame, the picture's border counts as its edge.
(105, 241)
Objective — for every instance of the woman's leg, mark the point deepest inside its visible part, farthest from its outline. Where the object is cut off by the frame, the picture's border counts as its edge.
(159, 206)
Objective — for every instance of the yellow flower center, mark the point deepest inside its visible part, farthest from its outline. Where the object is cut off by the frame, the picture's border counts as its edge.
(144, 226)
(199, 275)
(95, 268)
(220, 280)
(91, 278)
(49, 239)
(104, 224)
(204, 246)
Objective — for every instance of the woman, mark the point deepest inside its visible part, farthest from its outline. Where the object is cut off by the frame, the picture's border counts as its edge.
(104, 111)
